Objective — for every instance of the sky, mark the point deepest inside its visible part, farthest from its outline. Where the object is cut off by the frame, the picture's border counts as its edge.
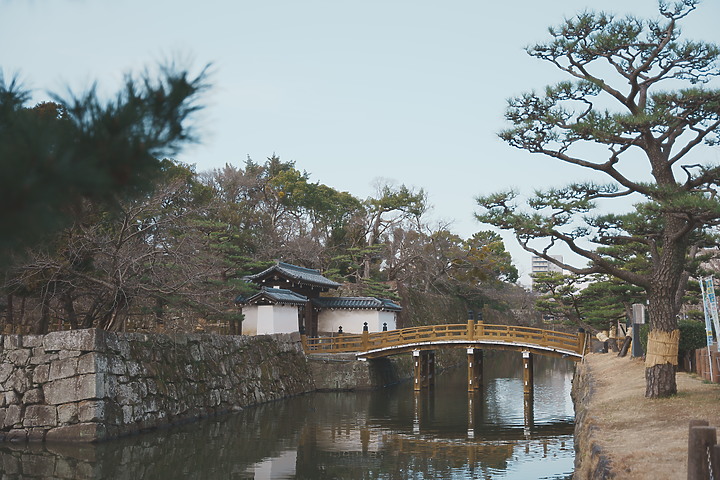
(354, 92)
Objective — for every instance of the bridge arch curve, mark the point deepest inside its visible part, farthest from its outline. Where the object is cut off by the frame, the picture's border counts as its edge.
(470, 335)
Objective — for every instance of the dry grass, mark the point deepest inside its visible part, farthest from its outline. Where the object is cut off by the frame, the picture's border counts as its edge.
(644, 438)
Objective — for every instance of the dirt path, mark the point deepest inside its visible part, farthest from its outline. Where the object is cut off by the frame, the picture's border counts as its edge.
(643, 438)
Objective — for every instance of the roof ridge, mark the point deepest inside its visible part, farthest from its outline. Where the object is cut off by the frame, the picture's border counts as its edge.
(298, 267)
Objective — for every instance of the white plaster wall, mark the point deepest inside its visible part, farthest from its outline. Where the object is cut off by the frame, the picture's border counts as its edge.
(352, 320)
(387, 317)
(277, 319)
(250, 322)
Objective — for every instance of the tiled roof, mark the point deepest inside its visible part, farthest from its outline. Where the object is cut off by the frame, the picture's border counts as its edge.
(274, 295)
(306, 276)
(357, 303)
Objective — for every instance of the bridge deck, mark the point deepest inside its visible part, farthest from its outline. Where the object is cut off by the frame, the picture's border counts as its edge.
(373, 345)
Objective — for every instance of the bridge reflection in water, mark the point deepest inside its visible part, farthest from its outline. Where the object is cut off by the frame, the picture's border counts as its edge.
(387, 434)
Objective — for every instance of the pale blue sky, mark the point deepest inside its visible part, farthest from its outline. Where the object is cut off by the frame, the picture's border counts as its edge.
(410, 90)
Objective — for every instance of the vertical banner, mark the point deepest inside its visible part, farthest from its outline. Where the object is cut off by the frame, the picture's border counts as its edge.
(706, 309)
(712, 303)
(708, 326)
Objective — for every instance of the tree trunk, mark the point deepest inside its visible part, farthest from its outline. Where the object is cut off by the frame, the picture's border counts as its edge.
(21, 320)
(69, 306)
(663, 310)
(44, 323)
(9, 320)
(660, 381)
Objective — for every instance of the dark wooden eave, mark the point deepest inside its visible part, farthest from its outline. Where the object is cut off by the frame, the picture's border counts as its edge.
(285, 275)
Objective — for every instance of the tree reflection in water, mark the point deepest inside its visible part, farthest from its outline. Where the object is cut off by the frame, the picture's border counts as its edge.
(388, 434)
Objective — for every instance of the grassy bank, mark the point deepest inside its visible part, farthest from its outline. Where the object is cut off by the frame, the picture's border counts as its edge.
(643, 438)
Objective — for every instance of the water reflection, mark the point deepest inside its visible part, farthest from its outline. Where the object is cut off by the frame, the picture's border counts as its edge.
(390, 434)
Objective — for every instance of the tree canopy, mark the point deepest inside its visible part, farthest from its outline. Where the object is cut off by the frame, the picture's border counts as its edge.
(58, 154)
(638, 102)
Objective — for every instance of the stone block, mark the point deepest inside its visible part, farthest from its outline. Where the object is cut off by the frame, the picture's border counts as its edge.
(42, 358)
(112, 343)
(152, 387)
(82, 432)
(63, 368)
(149, 406)
(37, 434)
(93, 363)
(12, 342)
(124, 349)
(13, 416)
(12, 398)
(41, 374)
(128, 415)
(113, 414)
(33, 396)
(6, 370)
(30, 341)
(92, 386)
(179, 339)
(86, 340)
(67, 413)
(134, 369)
(196, 352)
(92, 411)
(64, 390)
(16, 435)
(128, 394)
(19, 381)
(18, 357)
(116, 366)
(62, 354)
(40, 416)
(75, 389)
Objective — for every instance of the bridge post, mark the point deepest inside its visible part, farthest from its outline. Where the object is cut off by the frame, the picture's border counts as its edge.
(582, 346)
(424, 369)
(528, 379)
(475, 368)
(431, 368)
(365, 338)
(470, 329)
(417, 369)
(529, 414)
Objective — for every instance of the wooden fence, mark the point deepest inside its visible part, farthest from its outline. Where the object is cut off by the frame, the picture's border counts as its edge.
(470, 333)
(703, 452)
(702, 364)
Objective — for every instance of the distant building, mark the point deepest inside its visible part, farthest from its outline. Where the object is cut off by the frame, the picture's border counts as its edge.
(540, 265)
(289, 300)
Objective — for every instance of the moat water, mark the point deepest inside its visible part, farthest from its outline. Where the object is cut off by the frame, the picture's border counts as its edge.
(394, 433)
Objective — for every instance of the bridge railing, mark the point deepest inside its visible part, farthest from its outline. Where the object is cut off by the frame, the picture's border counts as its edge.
(469, 332)
(538, 336)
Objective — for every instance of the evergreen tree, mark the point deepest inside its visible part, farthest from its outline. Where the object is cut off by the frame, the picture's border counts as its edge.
(60, 154)
(619, 105)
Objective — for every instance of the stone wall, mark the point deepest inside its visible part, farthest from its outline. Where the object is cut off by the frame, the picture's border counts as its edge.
(334, 372)
(89, 385)
(590, 461)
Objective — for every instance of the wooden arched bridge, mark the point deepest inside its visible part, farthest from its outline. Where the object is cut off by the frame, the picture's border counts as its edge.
(475, 337)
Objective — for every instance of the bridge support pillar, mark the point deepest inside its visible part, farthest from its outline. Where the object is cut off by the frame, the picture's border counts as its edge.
(475, 368)
(424, 369)
(431, 368)
(528, 379)
(529, 414)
